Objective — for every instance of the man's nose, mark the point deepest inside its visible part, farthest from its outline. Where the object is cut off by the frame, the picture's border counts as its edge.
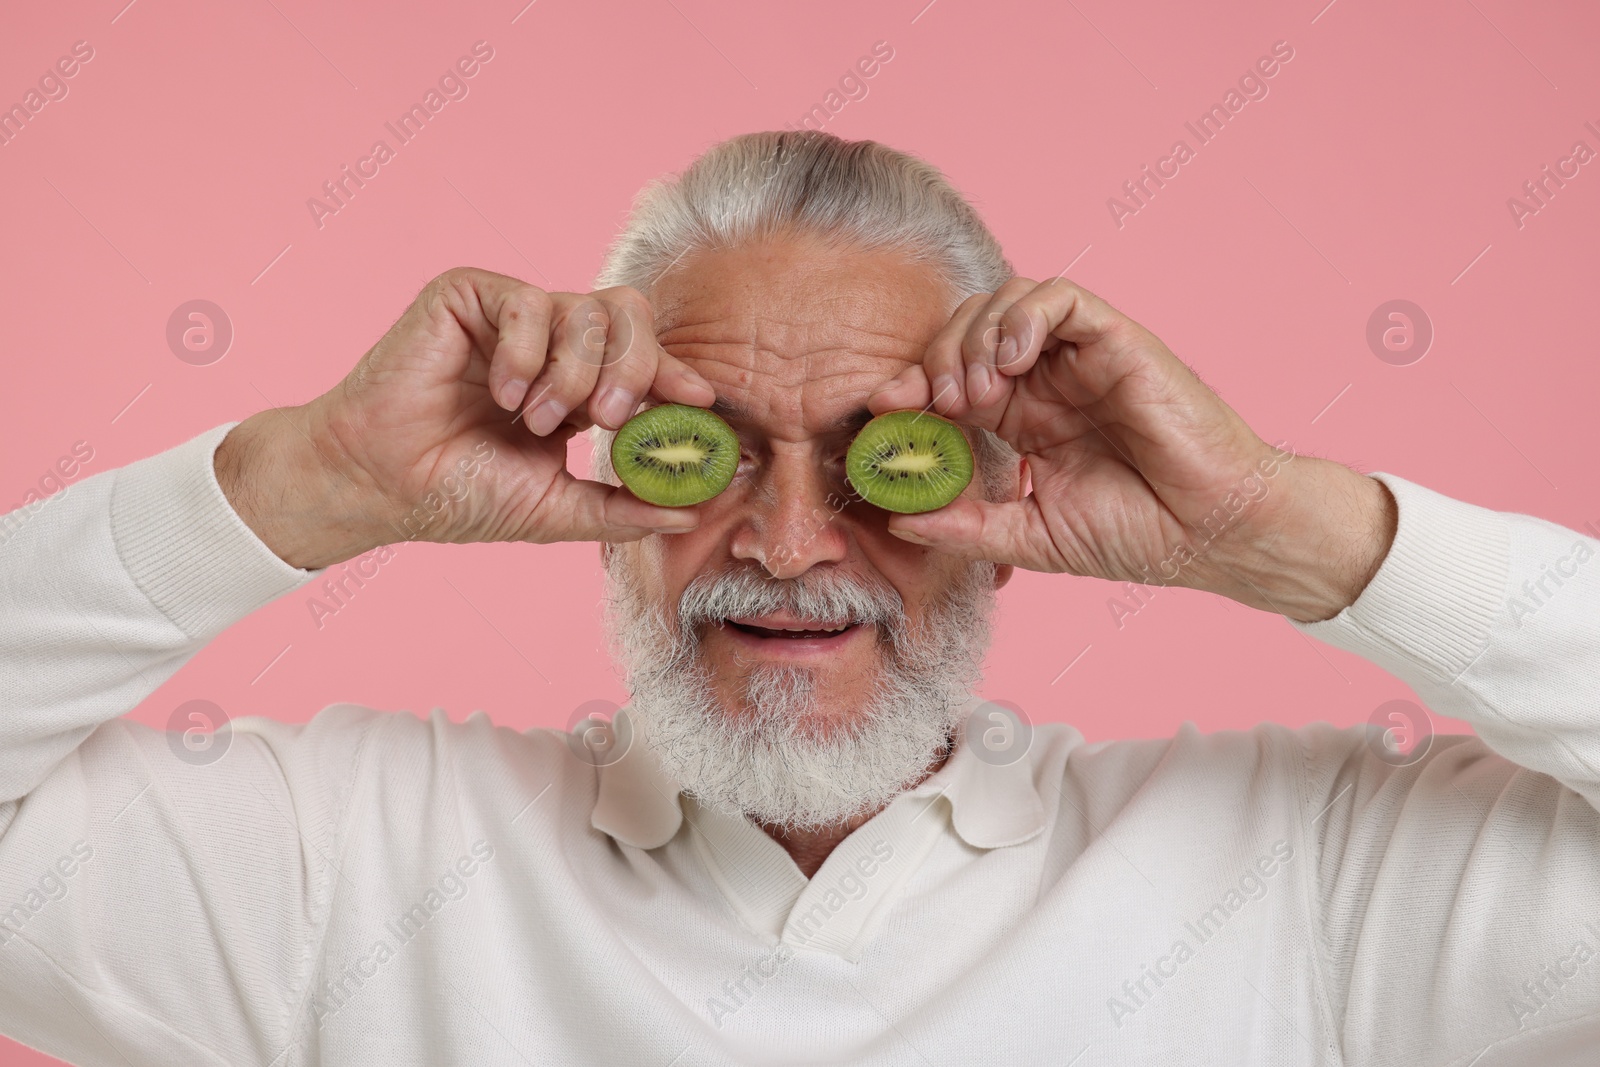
(792, 521)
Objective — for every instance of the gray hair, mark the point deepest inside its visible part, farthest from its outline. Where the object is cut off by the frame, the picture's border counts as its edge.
(861, 194)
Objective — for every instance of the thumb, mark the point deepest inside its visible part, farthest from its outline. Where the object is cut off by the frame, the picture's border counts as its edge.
(1013, 532)
(595, 511)
(906, 390)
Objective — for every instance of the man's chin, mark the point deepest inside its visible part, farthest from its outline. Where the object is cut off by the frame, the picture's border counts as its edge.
(818, 723)
(787, 753)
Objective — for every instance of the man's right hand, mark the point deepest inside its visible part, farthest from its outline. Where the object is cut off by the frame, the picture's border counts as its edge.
(401, 448)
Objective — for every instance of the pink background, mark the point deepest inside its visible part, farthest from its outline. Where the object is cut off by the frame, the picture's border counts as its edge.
(1378, 167)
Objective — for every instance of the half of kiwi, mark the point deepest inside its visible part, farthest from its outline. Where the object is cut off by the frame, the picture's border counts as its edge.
(675, 455)
(909, 461)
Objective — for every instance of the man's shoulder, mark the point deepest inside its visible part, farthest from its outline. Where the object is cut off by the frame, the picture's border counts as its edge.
(406, 752)
(1307, 760)
(1263, 742)
(408, 781)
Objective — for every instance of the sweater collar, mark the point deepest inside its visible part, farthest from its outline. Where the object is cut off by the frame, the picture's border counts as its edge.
(993, 804)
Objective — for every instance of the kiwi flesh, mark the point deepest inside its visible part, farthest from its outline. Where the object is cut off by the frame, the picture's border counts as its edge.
(909, 461)
(675, 455)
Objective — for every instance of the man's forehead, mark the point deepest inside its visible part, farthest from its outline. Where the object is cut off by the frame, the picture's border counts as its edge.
(802, 292)
(772, 373)
(796, 330)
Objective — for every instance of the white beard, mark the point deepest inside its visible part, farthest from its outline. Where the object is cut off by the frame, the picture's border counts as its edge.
(772, 757)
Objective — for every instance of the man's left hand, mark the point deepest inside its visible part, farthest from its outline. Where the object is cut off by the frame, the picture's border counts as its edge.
(1138, 471)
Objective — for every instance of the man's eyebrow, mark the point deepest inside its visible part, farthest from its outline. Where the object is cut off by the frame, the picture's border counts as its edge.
(850, 421)
(729, 410)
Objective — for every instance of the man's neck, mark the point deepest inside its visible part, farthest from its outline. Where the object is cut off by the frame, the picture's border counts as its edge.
(810, 848)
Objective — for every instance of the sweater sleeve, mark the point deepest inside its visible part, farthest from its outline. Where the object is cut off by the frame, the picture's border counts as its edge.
(1458, 889)
(157, 904)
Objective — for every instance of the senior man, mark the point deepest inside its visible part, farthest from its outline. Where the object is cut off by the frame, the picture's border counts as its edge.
(805, 855)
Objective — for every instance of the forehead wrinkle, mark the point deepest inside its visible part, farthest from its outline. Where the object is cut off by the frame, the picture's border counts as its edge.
(802, 391)
(788, 341)
(794, 404)
(793, 329)
(778, 339)
(732, 317)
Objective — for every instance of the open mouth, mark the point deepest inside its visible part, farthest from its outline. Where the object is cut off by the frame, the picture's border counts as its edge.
(771, 630)
(792, 633)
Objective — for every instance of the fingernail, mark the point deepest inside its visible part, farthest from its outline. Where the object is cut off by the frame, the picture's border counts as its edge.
(907, 535)
(944, 391)
(546, 417)
(511, 393)
(980, 379)
(615, 406)
(695, 379)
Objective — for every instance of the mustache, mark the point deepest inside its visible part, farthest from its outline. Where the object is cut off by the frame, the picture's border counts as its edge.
(825, 595)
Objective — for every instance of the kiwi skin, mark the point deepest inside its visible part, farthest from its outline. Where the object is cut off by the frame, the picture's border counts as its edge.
(674, 455)
(883, 461)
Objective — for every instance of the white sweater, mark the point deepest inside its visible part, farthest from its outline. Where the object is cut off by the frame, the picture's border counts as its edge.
(377, 888)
